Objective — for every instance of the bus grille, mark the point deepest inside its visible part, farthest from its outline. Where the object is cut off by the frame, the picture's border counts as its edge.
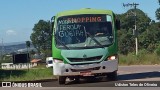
(89, 69)
(85, 59)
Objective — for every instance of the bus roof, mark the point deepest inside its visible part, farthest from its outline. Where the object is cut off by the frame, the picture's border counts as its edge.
(84, 11)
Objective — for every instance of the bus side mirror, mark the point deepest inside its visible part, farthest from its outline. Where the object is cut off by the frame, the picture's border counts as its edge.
(118, 24)
(52, 23)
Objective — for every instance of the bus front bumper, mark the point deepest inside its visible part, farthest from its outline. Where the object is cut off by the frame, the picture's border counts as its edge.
(62, 69)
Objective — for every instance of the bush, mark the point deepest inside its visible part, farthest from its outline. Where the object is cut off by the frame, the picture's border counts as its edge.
(142, 53)
(157, 51)
(151, 47)
(143, 58)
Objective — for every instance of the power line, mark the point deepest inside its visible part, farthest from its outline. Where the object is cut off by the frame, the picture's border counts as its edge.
(134, 5)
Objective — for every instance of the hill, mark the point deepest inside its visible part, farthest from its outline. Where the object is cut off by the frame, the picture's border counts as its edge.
(13, 47)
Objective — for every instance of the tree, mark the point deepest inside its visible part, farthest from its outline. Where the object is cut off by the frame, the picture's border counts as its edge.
(126, 37)
(28, 44)
(158, 12)
(42, 36)
(150, 38)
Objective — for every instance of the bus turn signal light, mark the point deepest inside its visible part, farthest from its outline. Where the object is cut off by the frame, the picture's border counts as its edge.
(58, 61)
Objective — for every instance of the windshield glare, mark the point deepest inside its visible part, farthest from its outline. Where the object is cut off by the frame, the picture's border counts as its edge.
(80, 31)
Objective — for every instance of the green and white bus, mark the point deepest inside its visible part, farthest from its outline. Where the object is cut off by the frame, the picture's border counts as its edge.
(85, 44)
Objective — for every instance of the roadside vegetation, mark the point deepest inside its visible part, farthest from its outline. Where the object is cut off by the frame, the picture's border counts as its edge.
(143, 58)
(26, 75)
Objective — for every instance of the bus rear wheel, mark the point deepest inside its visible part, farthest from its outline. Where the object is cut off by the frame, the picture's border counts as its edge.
(61, 80)
(112, 76)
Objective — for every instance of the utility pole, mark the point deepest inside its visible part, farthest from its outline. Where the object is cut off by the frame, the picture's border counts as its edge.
(28, 55)
(135, 26)
(2, 49)
(1, 52)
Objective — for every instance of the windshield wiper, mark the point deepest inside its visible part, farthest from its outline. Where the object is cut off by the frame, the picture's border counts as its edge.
(62, 43)
(92, 37)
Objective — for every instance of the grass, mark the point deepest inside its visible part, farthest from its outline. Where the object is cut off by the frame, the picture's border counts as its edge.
(25, 75)
(140, 59)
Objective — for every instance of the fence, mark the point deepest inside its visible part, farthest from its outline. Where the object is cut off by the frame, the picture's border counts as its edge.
(18, 66)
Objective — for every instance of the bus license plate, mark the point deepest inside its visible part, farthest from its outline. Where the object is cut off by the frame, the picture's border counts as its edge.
(87, 73)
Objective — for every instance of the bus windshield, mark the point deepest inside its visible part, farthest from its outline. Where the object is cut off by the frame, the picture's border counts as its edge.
(84, 31)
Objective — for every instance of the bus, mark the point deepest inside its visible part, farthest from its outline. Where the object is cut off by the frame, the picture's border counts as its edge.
(84, 44)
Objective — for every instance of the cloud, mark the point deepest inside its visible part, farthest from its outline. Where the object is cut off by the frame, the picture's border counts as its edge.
(11, 32)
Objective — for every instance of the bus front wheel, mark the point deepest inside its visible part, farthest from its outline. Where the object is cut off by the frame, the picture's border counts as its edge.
(61, 80)
(112, 76)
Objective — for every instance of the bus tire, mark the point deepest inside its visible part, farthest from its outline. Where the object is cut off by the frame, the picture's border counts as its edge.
(77, 79)
(112, 76)
(61, 80)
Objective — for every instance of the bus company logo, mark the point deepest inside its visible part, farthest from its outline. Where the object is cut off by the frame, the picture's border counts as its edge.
(6, 84)
(84, 56)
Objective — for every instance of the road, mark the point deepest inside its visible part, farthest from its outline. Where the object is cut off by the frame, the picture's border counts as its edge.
(126, 74)
(139, 73)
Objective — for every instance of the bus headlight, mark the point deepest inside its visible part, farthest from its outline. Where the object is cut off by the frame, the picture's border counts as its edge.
(113, 57)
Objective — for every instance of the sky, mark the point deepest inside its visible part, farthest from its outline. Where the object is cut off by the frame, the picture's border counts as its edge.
(17, 17)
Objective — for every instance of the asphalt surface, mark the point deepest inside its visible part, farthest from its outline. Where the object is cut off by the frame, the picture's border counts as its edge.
(127, 75)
